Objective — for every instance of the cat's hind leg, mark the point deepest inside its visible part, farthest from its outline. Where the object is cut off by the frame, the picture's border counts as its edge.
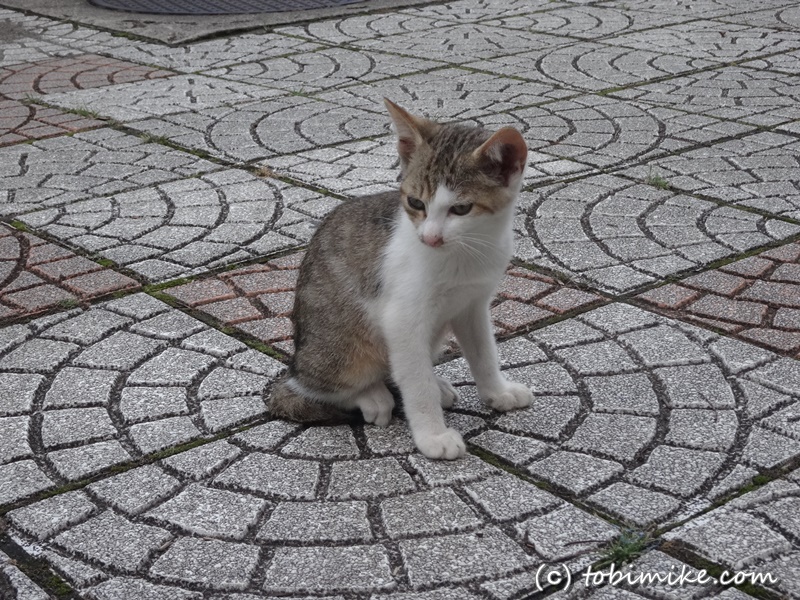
(449, 393)
(376, 403)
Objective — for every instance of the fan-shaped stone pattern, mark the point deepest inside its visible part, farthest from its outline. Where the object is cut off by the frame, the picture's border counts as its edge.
(85, 390)
(585, 22)
(756, 533)
(460, 44)
(592, 66)
(254, 505)
(446, 95)
(36, 276)
(268, 128)
(758, 171)
(778, 17)
(186, 227)
(710, 39)
(322, 70)
(471, 11)
(751, 95)
(702, 8)
(21, 45)
(258, 300)
(596, 131)
(70, 73)
(621, 235)
(144, 99)
(645, 418)
(360, 27)
(87, 165)
(756, 299)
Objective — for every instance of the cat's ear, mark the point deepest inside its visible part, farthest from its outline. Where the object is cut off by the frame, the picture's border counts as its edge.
(411, 131)
(503, 156)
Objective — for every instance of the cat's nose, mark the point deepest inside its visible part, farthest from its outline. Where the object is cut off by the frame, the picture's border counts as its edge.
(434, 241)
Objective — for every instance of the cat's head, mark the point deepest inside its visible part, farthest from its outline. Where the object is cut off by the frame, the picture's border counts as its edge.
(455, 178)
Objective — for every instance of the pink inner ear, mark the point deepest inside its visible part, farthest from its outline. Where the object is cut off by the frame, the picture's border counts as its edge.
(405, 147)
(503, 155)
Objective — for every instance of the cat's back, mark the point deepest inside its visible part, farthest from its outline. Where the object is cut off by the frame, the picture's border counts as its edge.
(348, 247)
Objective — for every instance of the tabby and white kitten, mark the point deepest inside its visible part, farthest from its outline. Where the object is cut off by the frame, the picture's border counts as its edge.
(385, 276)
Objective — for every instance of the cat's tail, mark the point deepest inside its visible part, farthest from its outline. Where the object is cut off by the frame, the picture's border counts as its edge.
(286, 403)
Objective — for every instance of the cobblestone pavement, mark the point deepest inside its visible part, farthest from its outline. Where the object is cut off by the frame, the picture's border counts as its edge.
(156, 201)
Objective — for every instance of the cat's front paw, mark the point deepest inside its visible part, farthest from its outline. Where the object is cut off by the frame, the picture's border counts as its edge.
(447, 445)
(449, 395)
(509, 397)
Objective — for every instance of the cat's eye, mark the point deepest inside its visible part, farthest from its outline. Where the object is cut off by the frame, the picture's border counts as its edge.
(416, 204)
(461, 209)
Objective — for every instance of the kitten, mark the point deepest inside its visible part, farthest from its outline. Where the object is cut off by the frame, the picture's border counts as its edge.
(385, 276)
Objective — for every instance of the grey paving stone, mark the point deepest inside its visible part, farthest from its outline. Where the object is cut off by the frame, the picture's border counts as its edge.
(223, 382)
(212, 53)
(71, 425)
(153, 436)
(86, 329)
(317, 522)
(22, 478)
(14, 436)
(696, 386)
(655, 232)
(357, 569)
(461, 557)
(83, 461)
(37, 355)
(735, 539)
(565, 533)
(134, 491)
(751, 172)
(113, 541)
(575, 472)
(48, 517)
(599, 131)
(122, 350)
(213, 342)
(358, 27)
(158, 97)
(547, 417)
(139, 404)
(371, 478)
(514, 449)
(121, 588)
(597, 358)
(637, 506)
(202, 461)
(147, 231)
(77, 573)
(324, 69)
(703, 429)
(323, 443)
(209, 512)
(209, 563)
(630, 393)
(20, 584)
(290, 479)
(259, 130)
(17, 391)
(678, 470)
(459, 44)
(266, 436)
(395, 438)
(227, 412)
(619, 437)
(768, 450)
(80, 387)
(92, 164)
(431, 512)
(505, 497)
(753, 96)
(449, 94)
(447, 472)
(172, 325)
(592, 66)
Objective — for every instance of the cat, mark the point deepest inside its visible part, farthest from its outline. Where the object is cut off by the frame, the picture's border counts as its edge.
(385, 276)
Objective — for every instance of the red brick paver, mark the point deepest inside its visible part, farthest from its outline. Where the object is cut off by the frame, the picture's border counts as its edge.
(36, 276)
(71, 73)
(22, 121)
(258, 300)
(756, 299)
